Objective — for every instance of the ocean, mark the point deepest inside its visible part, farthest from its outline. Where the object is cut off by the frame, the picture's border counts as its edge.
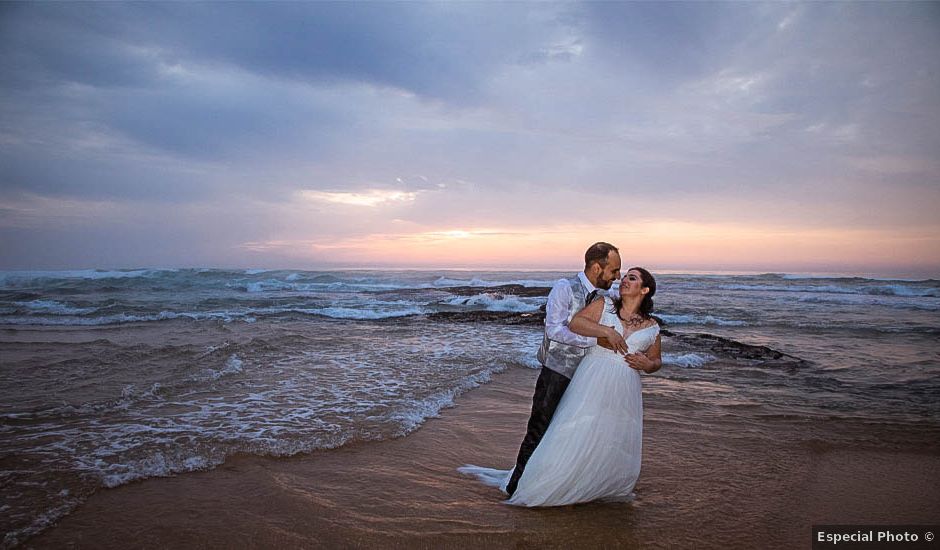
(107, 377)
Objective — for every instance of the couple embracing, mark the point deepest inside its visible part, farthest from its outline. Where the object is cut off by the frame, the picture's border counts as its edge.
(584, 438)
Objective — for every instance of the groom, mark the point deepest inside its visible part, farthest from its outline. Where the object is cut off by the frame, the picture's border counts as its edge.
(562, 349)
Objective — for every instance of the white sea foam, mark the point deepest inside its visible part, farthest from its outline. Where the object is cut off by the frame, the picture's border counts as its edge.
(30, 276)
(233, 365)
(264, 286)
(374, 309)
(876, 290)
(417, 412)
(291, 284)
(122, 318)
(445, 282)
(530, 361)
(788, 288)
(476, 281)
(687, 360)
(41, 521)
(351, 313)
(699, 320)
(156, 465)
(797, 276)
(54, 307)
(902, 290)
(899, 302)
(497, 302)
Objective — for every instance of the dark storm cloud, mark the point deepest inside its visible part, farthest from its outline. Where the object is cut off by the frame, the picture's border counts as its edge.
(434, 50)
(223, 83)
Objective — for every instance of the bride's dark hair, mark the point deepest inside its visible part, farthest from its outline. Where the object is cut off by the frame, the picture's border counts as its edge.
(646, 306)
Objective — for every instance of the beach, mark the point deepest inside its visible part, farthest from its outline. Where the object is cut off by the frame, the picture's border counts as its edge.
(234, 408)
(696, 490)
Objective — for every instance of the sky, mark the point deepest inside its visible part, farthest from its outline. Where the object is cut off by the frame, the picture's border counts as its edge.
(785, 137)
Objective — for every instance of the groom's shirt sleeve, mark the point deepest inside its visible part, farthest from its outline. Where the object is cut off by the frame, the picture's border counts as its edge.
(556, 317)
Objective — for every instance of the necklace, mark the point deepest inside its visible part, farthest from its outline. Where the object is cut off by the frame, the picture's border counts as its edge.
(634, 320)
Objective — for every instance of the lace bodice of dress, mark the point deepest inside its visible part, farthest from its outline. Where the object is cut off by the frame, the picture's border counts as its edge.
(639, 340)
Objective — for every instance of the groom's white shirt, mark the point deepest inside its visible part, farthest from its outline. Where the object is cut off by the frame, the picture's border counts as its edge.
(556, 314)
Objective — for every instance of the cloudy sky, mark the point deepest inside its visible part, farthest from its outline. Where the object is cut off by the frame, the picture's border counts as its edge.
(696, 136)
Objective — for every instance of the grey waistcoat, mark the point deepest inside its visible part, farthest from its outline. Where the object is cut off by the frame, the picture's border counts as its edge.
(559, 357)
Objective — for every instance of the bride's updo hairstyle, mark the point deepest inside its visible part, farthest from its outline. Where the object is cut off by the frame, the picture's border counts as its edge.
(646, 306)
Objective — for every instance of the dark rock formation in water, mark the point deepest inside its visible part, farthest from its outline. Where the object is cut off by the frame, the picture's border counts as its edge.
(726, 347)
(515, 290)
(503, 317)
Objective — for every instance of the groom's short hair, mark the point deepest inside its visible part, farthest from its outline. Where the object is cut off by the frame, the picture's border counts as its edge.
(598, 253)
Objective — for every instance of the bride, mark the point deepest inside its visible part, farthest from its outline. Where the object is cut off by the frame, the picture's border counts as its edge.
(592, 448)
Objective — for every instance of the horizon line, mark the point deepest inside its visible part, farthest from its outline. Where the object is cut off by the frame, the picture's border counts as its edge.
(912, 275)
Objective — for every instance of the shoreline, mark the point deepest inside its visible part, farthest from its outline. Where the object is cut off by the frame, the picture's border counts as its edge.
(701, 491)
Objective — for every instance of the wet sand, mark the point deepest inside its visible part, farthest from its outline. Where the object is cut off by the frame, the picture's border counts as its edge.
(697, 489)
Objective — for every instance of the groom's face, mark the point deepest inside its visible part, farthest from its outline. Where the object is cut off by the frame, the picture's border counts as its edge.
(607, 274)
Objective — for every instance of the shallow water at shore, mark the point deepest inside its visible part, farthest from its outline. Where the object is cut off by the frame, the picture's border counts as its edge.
(761, 486)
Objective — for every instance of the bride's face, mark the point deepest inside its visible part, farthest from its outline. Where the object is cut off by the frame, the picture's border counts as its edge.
(631, 285)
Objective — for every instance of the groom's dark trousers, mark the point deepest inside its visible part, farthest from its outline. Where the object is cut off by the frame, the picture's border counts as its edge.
(548, 391)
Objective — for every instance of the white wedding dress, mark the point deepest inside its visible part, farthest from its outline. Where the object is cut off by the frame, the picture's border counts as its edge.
(592, 448)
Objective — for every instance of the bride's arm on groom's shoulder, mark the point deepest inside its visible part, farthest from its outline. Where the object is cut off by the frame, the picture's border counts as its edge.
(587, 323)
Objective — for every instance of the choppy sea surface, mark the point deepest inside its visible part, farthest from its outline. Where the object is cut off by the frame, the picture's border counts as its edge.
(112, 376)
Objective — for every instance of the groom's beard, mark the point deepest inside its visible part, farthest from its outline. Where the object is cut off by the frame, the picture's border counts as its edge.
(605, 285)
